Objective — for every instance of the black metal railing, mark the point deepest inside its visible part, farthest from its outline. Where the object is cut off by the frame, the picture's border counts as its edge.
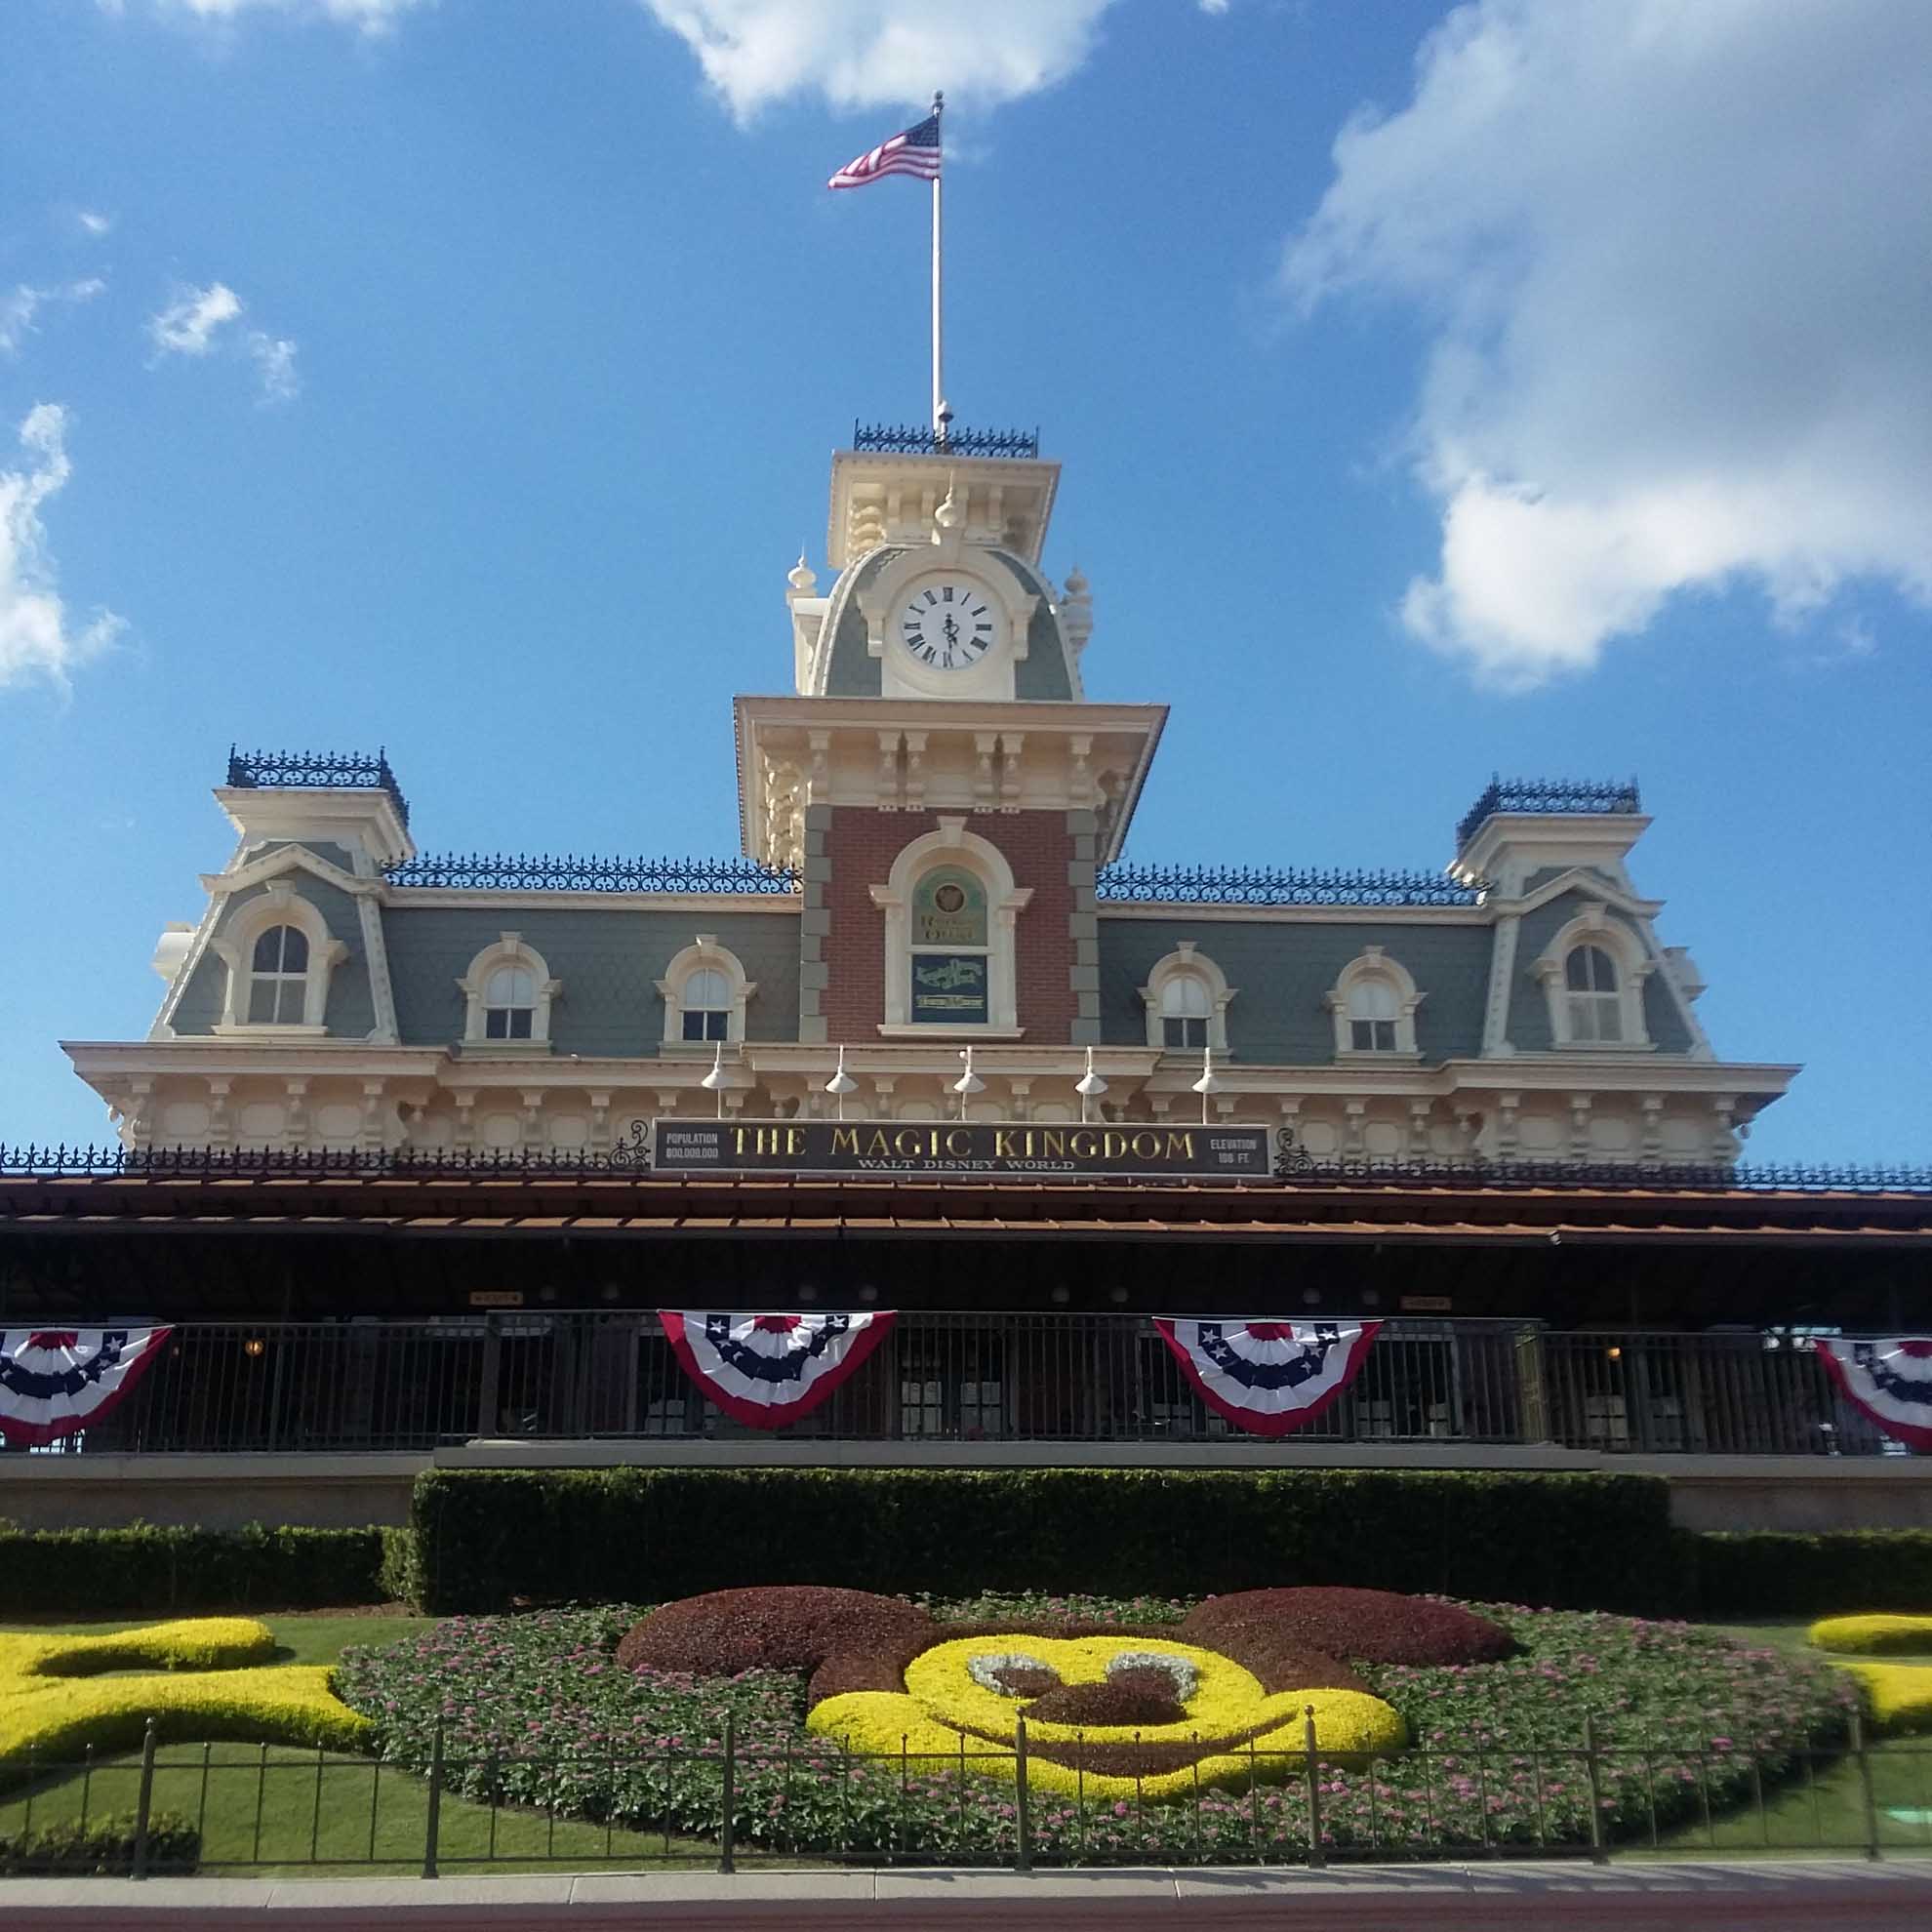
(1292, 1169)
(720, 1803)
(945, 1377)
(316, 771)
(1268, 885)
(1553, 795)
(522, 871)
(916, 439)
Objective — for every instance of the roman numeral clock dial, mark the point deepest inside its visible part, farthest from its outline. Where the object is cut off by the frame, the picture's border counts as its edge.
(947, 625)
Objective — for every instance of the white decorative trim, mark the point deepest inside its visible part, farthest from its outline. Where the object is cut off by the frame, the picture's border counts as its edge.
(279, 905)
(953, 844)
(507, 950)
(1594, 926)
(1373, 963)
(1186, 962)
(375, 952)
(287, 859)
(706, 954)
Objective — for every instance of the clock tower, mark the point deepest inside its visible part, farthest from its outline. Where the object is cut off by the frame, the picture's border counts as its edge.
(939, 781)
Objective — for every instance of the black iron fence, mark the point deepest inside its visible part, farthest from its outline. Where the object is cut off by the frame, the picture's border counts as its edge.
(717, 1802)
(978, 1377)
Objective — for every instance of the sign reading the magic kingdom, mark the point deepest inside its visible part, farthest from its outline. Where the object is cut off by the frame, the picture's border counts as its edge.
(956, 1146)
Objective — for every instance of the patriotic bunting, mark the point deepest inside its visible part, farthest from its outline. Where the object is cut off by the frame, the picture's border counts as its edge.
(56, 1380)
(1267, 1377)
(1890, 1380)
(767, 1370)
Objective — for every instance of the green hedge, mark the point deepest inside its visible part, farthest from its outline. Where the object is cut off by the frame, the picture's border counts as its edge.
(100, 1845)
(485, 1538)
(1771, 1573)
(145, 1568)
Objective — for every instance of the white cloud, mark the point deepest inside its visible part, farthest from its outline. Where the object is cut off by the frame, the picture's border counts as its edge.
(881, 52)
(1675, 271)
(19, 309)
(189, 324)
(199, 322)
(92, 222)
(38, 638)
(274, 366)
(371, 16)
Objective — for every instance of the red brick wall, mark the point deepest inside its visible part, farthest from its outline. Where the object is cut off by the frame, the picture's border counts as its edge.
(862, 845)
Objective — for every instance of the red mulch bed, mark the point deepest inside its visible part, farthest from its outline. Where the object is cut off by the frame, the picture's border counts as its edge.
(782, 1626)
(1365, 1626)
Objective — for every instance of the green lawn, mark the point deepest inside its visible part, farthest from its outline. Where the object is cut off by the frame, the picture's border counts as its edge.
(282, 1811)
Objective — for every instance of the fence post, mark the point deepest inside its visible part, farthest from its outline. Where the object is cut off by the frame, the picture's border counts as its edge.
(1598, 1853)
(144, 1805)
(1317, 1857)
(727, 1823)
(1866, 1796)
(432, 1828)
(488, 1422)
(1023, 1802)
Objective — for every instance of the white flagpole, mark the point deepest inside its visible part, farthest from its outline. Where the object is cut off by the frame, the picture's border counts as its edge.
(939, 382)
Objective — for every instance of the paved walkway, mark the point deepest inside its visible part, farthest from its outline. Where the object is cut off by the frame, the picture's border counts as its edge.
(1579, 1898)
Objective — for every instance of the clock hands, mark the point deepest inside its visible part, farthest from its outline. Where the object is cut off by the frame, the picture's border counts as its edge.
(951, 629)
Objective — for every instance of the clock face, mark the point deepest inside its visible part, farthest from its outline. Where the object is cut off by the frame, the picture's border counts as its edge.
(947, 623)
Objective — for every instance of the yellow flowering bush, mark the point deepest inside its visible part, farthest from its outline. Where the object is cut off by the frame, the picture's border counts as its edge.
(54, 1701)
(1231, 1731)
(1873, 1633)
(1900, 1694)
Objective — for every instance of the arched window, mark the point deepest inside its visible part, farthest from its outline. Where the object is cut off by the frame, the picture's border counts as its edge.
(706, 1005)
(279, 978)
(507, 995)
(510, 1003)
(705, 992)
(1595, 1002)
(1186, 997)
(951, 907)
(1593, 975)
(279, 953)
(1374, 1002)
(1184, 1007)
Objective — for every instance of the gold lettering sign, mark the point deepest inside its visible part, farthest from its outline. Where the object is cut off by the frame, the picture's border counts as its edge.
(963, 1148)
(949, 909)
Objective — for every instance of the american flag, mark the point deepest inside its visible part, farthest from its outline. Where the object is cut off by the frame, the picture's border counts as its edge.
(916, 151)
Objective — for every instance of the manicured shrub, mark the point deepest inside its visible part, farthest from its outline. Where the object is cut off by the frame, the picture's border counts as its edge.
(1873, 1636)
(1770, 1573)
(102, 1845)
(793, 1628)
(193, 1644)
(1900, 1695)
(486, 1538)
(147, 1567)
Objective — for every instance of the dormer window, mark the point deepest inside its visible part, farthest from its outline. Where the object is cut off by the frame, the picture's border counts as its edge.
(1372, 1008)
(1186, 997)
(1184, 1010)
(279, 953)
(705, 992)
(510, 1003)
(507, 995)
(706, 1005)
(1374, 1002)
(1591, 993)
(279, 978)
(1593, 975)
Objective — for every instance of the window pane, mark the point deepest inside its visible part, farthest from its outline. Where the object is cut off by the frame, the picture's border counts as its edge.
(1589, 969)
(294, 950)
(1609, 1020)
(716, 1023)
(281, 950)
(1186, 995)
(496, 1023)
(706, 987)
(519, 1023)
(261, 1001)
(510, 985)
(1372, 998)
(694, 1025)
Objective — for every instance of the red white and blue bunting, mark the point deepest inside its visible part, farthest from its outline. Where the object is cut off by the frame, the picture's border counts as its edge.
(56, 1380)
(1267, 1377)
(767, 1370)
(1890, 1380)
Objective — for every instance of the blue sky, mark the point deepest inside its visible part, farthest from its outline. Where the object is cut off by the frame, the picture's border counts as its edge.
(1530, 388)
